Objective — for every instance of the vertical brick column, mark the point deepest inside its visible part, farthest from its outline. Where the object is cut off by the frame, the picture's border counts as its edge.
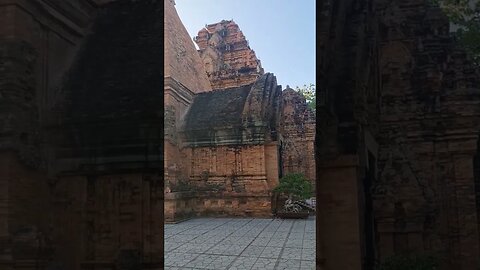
(338, 214)
(5, 251)
(466, 218)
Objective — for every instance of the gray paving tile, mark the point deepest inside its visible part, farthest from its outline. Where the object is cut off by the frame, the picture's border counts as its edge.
(263, 263)
(195, 231)
(243, 263)
(266, 234)
(249, 238)
(275, 242)
(178, 259)
(294, 243)
(195, 248)
(202, 261)
(219, 249)
(200, 240)
(181, 238)
(169, 246)
(229, 243)
(234, 251)
(221, 262)
(307, 265)
(236, 240)
(260, 241)
(252, 234)
(271, 252)
(291, 253)
(309, 243)
(253, 251)
(293, 235)
(226, 249)
(310, 234)
(288, 264)
(308, 254)
(280, 235)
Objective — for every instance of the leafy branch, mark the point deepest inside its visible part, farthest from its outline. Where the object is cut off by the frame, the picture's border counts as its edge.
(465, 15)
(308, 92)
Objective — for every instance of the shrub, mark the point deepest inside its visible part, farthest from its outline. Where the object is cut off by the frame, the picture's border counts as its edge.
(295, 185)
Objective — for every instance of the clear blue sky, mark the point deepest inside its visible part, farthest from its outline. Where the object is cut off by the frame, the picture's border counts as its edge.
(281, 32)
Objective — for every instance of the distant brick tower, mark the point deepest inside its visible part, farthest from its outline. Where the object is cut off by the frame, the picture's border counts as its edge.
(228, 59)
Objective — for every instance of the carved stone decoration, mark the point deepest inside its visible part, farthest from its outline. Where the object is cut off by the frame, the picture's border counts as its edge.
(30, 243)
(211, 60)
(18, 98)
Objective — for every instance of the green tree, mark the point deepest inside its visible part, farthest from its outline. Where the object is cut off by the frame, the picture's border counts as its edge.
(309, 93)
(465, 16)
(295, 185)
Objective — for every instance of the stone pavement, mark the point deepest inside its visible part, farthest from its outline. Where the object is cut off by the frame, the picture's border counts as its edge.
(240, 243)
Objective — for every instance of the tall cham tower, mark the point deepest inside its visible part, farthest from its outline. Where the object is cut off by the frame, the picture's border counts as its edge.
(229, 61)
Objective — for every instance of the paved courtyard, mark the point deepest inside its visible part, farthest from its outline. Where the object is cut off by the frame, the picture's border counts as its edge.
(240, 243)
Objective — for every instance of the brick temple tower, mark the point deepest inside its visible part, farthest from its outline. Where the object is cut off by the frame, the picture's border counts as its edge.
(229, 61)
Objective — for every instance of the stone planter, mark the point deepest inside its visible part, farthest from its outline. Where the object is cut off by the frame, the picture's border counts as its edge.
(293, 215)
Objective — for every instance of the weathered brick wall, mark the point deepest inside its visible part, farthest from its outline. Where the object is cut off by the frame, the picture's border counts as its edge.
(184, 205)
(424, 192)
(20, 125)
(338, 200)
(115, 125)
(102, 218)
(229, 153)
(223, 162)
(73, 220)
(428, 138)
(37, 43)
(298, 133)
(184, 75)
(26, 214)
(182, 61)
(347, 121)
(112, 111)
(54, 31)
(177, 100)
(226, 180)
(272, 163)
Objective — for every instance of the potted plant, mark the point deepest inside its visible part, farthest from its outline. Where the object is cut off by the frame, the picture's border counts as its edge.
(296, 188)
